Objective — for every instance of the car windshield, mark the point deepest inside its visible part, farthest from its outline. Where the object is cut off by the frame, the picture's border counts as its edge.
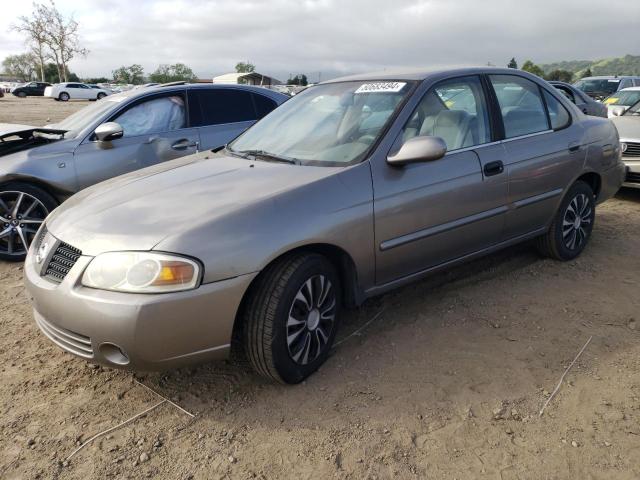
(623, 97)
(77, 121)
(600, 85)
(332, 124)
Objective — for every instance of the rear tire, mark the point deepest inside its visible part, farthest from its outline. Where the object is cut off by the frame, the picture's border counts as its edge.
(23, 208)
(291, 317)
(571, 228)
(64, 97)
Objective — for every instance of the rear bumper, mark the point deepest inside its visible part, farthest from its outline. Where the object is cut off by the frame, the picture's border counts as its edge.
(611, 181)
(152, 331)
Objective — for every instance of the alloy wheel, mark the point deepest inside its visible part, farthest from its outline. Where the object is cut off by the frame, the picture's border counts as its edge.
(311, 320)
(576, 222)
(21, 215)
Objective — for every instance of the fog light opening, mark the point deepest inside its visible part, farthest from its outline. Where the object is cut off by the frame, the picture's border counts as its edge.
(113, 353)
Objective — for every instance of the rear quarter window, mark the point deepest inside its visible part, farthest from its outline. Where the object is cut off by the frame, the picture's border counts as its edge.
(220, 106)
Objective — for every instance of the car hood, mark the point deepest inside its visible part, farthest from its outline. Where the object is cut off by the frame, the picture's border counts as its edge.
(138, 210)
(628, 126)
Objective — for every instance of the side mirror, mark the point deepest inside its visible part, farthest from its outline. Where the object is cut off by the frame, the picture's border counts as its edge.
(418, 149)
(109, 131)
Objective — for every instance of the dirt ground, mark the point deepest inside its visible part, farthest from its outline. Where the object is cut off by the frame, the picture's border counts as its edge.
(446, 383)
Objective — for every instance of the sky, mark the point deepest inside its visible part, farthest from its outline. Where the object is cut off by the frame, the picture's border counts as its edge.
(328, 38)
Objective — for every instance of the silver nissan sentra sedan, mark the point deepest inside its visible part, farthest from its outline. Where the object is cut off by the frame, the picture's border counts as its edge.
(349, 189)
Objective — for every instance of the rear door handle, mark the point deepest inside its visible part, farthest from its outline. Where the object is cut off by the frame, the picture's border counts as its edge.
(183, 144)
(493, 168)
(574, 147)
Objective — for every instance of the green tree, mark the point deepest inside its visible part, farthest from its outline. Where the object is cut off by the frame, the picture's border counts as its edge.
(512, 63)
(531, 67)
(560, 75)
(96, 80)
(586, 73)
(23, 66)
(133, 74)
(173, 73)
(245, 67)
(300, 79)
(52, 74)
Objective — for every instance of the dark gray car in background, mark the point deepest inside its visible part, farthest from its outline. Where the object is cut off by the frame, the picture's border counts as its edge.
(351, 188)
(581, 100)
(42, 166)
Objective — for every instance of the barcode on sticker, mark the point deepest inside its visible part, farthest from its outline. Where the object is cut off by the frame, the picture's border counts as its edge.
(379, 87)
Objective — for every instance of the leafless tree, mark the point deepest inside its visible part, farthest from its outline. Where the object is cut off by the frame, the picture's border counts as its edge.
(35, 28)
(51, 36)
(62, 38)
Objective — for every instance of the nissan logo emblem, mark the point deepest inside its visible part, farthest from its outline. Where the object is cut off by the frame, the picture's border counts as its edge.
(42, 252)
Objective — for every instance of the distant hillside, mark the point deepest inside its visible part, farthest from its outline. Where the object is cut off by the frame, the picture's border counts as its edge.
(627, 65)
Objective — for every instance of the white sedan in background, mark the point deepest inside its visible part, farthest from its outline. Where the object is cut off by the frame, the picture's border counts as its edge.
(75, 91)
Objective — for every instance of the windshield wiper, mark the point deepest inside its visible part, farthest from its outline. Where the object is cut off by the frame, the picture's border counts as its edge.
(268, 156)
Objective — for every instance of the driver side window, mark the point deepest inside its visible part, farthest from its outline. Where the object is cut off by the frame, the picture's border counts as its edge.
(156, 115)
(454, 110)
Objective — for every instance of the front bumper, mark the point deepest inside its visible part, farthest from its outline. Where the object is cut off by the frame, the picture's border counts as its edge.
(152, 331)
(632, 178)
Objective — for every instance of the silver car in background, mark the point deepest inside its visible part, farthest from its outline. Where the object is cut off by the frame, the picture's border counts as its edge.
(352, 188)
(42, 166)
(628, 125)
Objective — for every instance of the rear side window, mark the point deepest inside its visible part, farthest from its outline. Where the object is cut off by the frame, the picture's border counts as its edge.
(521, 105)
(558, 115)
(263, 104)
(219, 106)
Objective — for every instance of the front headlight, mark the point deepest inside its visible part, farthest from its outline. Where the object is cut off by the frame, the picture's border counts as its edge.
(141, 272)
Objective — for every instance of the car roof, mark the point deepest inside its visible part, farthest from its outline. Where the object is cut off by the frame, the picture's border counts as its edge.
(140, 92)
(629, 89)
(424, 74)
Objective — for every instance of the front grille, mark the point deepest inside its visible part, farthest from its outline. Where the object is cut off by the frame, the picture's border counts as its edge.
(633, 150)
(62, 260)
(633, 177)
(66, 339)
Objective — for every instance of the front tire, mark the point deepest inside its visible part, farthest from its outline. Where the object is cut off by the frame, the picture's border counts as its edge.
(22, 94)
(23, 208)
(571, 228)
(291, 317)
(64, 97)
(101, 96)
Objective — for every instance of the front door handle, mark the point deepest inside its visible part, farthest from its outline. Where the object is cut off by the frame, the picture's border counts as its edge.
(493, 168)
(574, 147)
(183, 144)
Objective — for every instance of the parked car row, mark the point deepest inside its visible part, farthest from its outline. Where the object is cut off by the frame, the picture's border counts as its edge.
(347, 190)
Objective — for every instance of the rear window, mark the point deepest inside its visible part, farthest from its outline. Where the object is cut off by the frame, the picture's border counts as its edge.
(219, 106)
(601, 86)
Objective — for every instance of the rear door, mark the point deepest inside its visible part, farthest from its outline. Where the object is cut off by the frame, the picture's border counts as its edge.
(542, 150)
(221, 114)
(429, 213)
(156, 129)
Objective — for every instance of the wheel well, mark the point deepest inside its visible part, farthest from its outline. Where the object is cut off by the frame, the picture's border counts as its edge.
(340, 259)
(593, 180)
(39, 184)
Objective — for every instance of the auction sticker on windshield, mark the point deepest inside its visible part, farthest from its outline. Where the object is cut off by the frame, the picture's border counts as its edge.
(380, 87)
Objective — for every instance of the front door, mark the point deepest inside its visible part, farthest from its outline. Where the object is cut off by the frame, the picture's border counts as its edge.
(155, 130)
(429, 213)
